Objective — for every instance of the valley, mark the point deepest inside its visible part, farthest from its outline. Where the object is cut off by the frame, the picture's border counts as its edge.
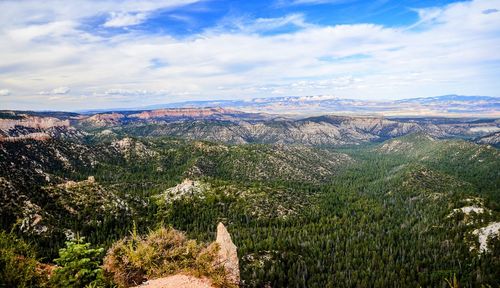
(329, 201)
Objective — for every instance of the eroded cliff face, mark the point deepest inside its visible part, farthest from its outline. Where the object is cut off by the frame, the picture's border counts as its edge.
(33, 122)
(103, 120)
(30, 128)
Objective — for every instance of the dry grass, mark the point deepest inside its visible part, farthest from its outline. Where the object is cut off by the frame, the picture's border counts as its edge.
(161, 253)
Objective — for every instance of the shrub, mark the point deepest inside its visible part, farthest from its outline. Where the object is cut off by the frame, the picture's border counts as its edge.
(161, 253)
(18, 265)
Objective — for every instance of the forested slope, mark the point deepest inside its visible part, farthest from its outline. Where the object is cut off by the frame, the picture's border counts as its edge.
(407, 212)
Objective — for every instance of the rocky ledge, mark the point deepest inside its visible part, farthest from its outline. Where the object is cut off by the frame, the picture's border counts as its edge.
(227, 256)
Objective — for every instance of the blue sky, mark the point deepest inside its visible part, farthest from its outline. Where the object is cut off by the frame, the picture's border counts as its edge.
(196, 17)
(86, 54)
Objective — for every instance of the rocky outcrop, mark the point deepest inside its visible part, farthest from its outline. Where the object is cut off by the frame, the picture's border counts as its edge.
(130, 147)
(105, 119)
(188, 188)
(72, 184)
(20, 127)
(228, 255)
(484, 233)
(38, 136)
(33, 122)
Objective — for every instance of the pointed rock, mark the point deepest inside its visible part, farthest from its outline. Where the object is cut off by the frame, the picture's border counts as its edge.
(228, 255)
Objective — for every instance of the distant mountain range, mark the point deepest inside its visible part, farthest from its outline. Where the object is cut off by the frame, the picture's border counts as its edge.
(312, 120)
(447, 106)
(225, 125)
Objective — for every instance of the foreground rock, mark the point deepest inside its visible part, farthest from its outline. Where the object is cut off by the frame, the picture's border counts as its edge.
(177, 281)
(228, 255)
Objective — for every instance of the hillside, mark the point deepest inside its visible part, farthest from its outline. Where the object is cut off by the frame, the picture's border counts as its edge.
(234, 127)
(490, 139)
(414, 209)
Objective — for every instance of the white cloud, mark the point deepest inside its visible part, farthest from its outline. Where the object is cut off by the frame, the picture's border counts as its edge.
(56, 91)
(453, 49)
(60, 90)
(121, 91)
(125, 19)
(33, 11)
(246, 25)
(4, 92)
(490, 11)
(272, 23)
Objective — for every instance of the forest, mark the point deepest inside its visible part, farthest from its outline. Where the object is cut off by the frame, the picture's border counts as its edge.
(373, 215)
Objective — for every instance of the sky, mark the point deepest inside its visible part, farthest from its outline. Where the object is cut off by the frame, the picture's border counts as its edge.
(98, 54)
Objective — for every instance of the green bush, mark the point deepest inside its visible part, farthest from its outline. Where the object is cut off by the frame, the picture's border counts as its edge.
(79, 266)
(18, 265)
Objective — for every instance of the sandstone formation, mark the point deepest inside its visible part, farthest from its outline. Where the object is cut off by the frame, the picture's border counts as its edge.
(33, 122)
(102, 120)
(228, 255)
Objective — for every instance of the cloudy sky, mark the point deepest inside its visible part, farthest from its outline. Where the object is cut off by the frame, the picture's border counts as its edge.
(86, 54)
